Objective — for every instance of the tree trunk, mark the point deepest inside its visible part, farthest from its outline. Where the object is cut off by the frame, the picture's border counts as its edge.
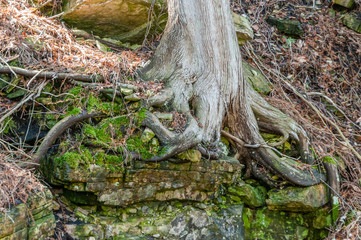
(199, 61)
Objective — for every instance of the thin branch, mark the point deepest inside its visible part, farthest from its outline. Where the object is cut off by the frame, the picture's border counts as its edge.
(50, 75)
(57, 15)
(334, 104)
(22, 102)
(10, 68)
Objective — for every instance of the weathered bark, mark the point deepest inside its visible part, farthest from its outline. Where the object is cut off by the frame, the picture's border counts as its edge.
(200, 63)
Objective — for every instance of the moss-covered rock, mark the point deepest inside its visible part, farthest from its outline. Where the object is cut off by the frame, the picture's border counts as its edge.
(243, 28)
(147, 135)
(266, 224)
(345, 3)
(252, 196)
(190, 155)
(31, 220)
(256, 78)
(352, 21)
(287, 26)
(321, 218)
(298, 199)
(94, 184)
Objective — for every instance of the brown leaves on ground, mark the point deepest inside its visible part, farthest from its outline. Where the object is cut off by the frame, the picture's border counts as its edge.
(16, 184)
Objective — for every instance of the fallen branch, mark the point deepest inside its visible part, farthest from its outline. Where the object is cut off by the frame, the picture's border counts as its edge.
(57, 130)
(50, 75)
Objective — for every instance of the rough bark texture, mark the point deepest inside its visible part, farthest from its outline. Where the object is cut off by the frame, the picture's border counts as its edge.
(200, 62)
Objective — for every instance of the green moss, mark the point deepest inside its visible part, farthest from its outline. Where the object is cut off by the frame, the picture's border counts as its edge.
(112, 162)
(73, 159)
(9, 125)
(330, 160)
(146, 150)
(75, 92)
(108, 130)
(252, 196)
(273, 138)
(74, 111)
(94, 104)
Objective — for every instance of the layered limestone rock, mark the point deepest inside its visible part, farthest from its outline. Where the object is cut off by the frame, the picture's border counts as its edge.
(167, 200)
(164, 220)
(94, 184)
(296, 199)
(31, 220)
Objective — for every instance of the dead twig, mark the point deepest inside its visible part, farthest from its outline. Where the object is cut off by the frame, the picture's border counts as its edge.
(32, 95)
(50, 75)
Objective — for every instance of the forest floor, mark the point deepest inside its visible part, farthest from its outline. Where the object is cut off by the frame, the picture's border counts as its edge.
(315, 78)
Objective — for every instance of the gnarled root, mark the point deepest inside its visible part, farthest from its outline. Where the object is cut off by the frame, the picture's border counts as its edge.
(172, 143)
(271, 119)
(299, 174)
(57, 130)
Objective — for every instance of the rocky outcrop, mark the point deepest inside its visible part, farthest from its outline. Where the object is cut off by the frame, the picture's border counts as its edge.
(164, 181)
(120, 20)
(296, 199)
(164, 220)
(196, 200)
(31, 220)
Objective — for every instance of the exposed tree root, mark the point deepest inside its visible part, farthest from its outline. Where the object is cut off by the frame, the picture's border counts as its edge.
(173, 143)
(57, 130)
(289, 169)
(271, 119)
(333, 178)
(50, 75)
(257, 174)
(202, 71)
(302, 175)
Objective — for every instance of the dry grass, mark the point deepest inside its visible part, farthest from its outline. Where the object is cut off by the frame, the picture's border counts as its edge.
(16, 184)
